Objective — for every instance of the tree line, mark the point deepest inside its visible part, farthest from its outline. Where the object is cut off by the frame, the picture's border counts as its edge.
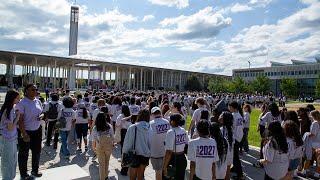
(261, 84)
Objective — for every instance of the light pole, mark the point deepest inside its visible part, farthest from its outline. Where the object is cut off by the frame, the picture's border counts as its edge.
(249, 62)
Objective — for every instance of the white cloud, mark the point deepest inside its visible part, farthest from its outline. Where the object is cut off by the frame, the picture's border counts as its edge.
(170, 3)
(240, 8)
(203, 24)
(148, 17)
(260, 3)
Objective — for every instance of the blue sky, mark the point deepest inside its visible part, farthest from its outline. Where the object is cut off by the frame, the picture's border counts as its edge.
(212, 36)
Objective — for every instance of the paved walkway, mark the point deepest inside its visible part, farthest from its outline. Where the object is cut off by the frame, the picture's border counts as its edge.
(50, 158)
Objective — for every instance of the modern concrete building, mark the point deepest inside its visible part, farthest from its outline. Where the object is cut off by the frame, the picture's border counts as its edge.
(52, 71)
(305, 72)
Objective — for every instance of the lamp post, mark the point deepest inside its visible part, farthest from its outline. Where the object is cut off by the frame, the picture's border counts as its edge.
(249, 62)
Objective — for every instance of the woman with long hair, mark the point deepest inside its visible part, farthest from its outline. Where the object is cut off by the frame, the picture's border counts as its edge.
(124, 122)
(295, 146)
(226, 120)
(102, 144)
(8, 148)
(313, 142)
(275, 153)
(246, 126)
(222, 147)
(140, 131)
(82, 120)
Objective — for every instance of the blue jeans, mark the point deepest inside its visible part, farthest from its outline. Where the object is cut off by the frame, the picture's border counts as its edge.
(9, 158)
(64, 143)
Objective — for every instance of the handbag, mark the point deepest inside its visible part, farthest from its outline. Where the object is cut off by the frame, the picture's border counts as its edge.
(171, 169)
(130, 158)
(62, 122)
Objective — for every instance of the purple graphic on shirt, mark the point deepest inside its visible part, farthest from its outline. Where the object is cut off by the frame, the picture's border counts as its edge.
(205, 151)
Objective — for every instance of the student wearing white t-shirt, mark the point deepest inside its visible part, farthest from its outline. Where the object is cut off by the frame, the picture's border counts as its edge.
(124, 122)
(314, 138)
(175, 143)
(158, 130)
(51, 110)
(69, 114)
(295, 146)
(275, 153)
(226, 120)
(273, 115)
(203, 154)
(238, 134)
(222, 149)
(197, 114)
(115, 111)
(82, 119)
(246, 125)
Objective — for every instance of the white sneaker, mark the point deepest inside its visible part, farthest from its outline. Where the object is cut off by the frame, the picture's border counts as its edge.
(119, 159)
(295, 174)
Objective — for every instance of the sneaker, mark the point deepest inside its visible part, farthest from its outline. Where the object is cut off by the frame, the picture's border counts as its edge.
(316, 175)
(119, 159)
(27, 177)
(258, 165)
(36, 174)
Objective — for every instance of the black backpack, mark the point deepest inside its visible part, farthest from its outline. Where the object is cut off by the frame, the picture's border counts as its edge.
(53, 111)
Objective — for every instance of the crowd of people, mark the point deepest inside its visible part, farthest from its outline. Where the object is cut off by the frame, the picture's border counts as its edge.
(153, 127)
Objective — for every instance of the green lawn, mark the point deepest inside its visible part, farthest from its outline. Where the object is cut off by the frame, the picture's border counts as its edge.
(254, 136)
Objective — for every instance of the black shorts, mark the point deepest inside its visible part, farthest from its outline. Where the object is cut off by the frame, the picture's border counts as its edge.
(81, 130)
(141, 161)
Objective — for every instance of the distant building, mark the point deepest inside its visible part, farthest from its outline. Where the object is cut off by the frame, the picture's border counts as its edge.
(305, 72)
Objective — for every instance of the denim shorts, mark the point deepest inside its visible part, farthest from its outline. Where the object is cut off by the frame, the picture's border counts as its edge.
(294, 163)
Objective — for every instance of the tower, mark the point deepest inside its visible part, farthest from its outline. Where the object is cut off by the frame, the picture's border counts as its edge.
(73, 37)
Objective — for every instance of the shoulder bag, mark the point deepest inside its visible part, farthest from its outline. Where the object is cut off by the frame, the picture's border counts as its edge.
(130, 158)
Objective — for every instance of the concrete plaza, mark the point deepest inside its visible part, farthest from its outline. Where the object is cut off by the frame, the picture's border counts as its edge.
(50, 158)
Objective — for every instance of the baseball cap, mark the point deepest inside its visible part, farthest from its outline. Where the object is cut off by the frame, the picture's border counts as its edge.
(154, 109)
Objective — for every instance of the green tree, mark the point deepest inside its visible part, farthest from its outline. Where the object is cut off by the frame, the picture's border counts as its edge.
(261, 84)
(238, 85)
(217, 84)
(317, 88)
(193, 84)
(289, 87)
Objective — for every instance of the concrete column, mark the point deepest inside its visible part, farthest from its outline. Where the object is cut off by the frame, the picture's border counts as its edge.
(171, 80)
(141, 78)
(35, 70)
(162, 78)
(117, 77)
(180, 81)
(54, 74)
(11, 71)
(144, 80)
(129, 80)
(88, 74)
(152, 78)
(104, 74)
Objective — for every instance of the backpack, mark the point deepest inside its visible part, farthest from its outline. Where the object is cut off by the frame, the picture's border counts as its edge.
(53, 111)
(62, 122)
